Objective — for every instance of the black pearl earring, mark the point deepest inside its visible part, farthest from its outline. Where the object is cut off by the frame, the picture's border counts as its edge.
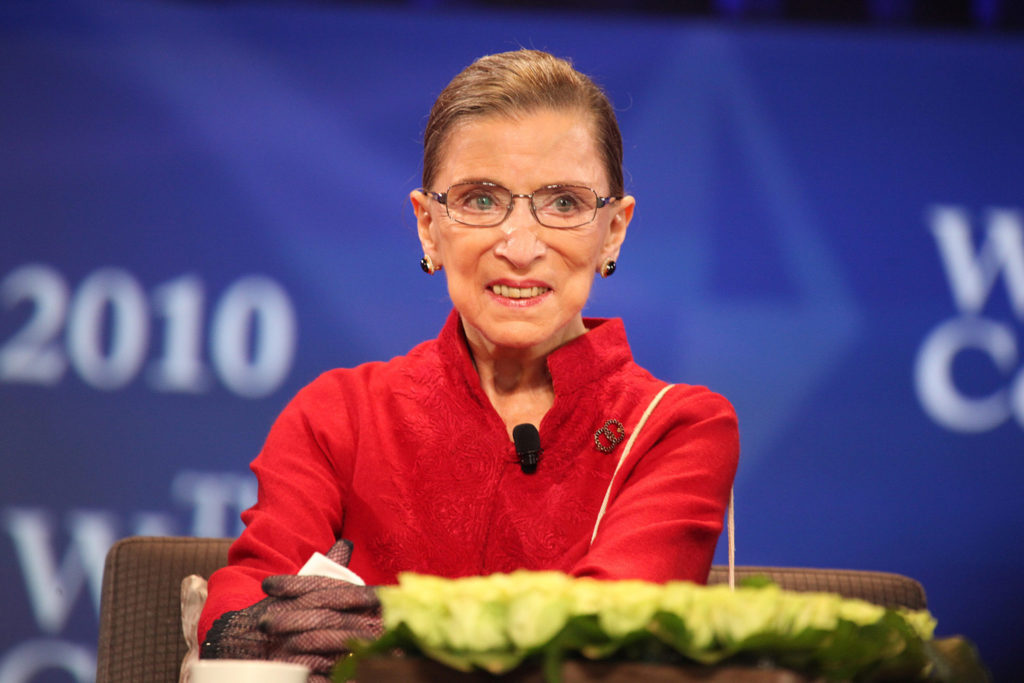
(427, 264)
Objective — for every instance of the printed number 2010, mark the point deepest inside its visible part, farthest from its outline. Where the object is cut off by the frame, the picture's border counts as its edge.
(106, 325)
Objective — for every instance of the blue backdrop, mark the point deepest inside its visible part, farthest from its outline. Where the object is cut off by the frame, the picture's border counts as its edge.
(202, 207)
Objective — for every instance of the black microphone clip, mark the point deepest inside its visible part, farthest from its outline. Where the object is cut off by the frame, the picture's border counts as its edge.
(527, 441)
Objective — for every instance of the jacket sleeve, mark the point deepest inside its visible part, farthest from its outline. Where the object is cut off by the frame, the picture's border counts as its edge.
(668, 499)
(302, 483)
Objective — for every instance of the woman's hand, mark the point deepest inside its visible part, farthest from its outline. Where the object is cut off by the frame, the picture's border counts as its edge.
(306, 620)
(313, 619)
(310, 620)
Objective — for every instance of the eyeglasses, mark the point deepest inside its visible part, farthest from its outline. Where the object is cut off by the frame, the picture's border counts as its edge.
(485, 205)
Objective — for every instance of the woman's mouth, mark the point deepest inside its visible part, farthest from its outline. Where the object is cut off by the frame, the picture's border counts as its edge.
(518, 292)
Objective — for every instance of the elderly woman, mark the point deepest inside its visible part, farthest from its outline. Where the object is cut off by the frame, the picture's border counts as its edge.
(415, 460)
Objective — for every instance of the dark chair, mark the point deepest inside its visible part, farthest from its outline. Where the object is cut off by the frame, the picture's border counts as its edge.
(881, 588)
(140, 610)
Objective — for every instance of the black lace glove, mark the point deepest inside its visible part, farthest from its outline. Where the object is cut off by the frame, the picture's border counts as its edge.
(306, 620)
(314, 618)
(237, 635)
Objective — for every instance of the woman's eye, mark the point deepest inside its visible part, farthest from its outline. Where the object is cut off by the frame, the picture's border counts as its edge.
(482, 203)
(565, 203)
(478, 201)
(561, 203)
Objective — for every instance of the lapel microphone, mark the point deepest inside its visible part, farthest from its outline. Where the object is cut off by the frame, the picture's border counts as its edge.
(527, 441)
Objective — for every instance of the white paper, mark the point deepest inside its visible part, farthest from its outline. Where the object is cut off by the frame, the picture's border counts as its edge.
(321, 565)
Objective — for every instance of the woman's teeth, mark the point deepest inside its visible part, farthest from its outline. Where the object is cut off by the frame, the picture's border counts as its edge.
(518, 292)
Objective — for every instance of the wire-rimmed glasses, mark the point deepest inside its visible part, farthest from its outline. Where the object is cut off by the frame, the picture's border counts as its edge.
(484, 204)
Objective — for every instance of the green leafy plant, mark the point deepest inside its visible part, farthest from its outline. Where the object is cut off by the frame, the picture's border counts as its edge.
(499, 622)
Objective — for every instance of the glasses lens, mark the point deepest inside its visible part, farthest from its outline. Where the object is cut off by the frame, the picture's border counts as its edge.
(565, 206)
(479, 204)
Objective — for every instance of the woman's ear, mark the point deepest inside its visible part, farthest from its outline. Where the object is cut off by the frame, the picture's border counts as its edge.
(623, 209)
(424, 224)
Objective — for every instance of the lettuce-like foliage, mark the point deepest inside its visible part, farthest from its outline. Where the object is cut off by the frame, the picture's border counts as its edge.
(498, 622)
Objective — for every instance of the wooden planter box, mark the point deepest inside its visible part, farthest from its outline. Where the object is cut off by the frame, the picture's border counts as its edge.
(418, 670)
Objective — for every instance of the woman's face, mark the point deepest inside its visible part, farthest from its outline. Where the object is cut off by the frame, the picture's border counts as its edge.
(520, 285)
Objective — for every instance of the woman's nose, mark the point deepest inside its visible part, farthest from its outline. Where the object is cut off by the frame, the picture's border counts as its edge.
(522, 244)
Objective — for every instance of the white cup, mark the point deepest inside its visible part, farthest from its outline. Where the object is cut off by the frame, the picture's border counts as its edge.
(247, 671)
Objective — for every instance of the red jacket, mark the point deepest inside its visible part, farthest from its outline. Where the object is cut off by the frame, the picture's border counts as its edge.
(409, 461)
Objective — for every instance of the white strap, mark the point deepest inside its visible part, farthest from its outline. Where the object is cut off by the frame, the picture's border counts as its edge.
(625, 454)
(732, 541)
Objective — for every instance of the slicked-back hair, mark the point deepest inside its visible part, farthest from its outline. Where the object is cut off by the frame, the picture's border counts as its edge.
(520, 82)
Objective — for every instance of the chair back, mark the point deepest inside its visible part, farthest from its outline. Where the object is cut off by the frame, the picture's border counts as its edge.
(140, 612)
(881, 588)
(140, 605)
